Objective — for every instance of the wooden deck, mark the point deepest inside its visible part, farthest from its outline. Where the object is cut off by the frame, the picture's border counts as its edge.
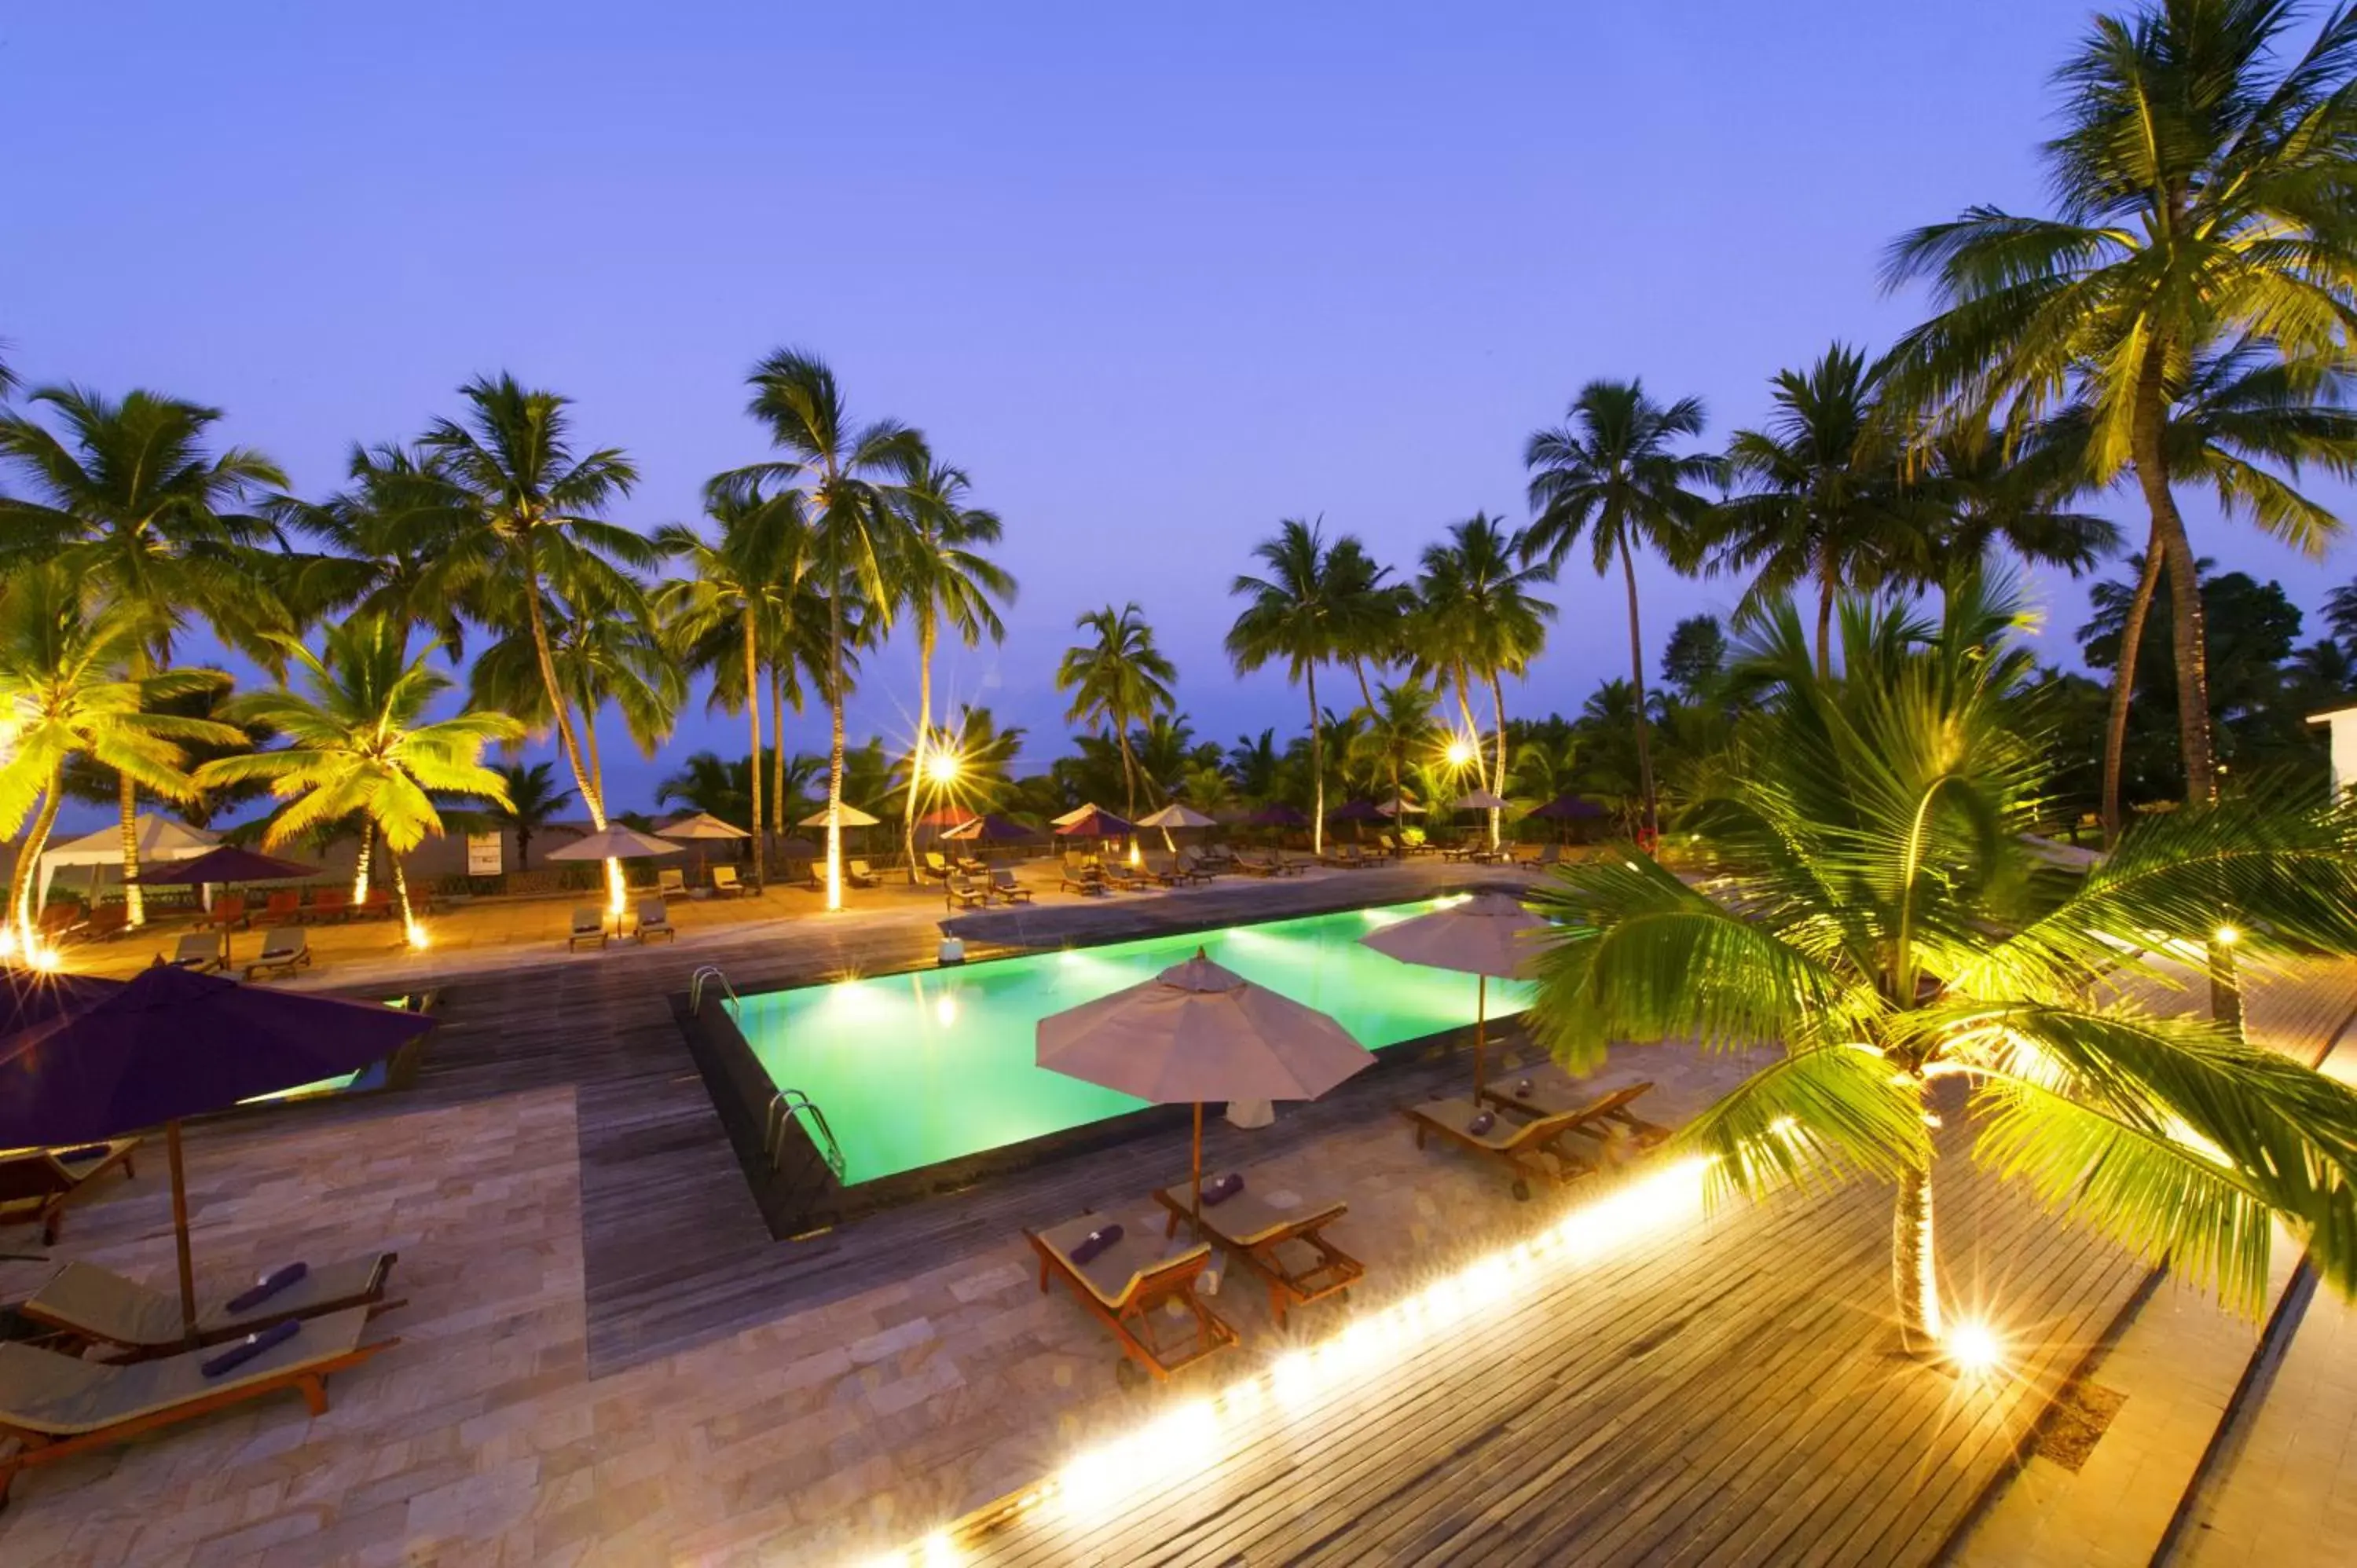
(1727, 1393)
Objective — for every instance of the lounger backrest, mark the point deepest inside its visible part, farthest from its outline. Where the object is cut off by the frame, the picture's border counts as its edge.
(670, 878)
(726, 875)
(199, 946)
(280, 942)
(1003, 877)
(229, 905)
(933, 858)
(650, 913)
(586, 918)
(285, 902)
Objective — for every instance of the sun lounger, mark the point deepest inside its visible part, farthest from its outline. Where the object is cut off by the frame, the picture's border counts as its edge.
(1007, 889)
(963, 894)
(724, 881)
(285, 904)
(282, 951)
(857, 873)
(200, 952)
(1285, 867)
(1256, 865)
(1606, 1117)
(1285, 1248)
(228, 910)
(1128, 1285)
(654, 920)
(57, 1406)
(1531, 1149)
(1081, 877)
(37, 1184)
(106, 922)
(97, 1306)
(970, 866)
(670, 883)
(937, 865)
(588, 926)
(332, 904)
(1122, 874)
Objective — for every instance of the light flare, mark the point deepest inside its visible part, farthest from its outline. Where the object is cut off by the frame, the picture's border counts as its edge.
(1975, 1349)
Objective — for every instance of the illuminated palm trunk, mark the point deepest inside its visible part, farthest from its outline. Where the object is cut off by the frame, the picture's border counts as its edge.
(361, 867)
(400, 895)
(134, 904)
(28, 858)
(1317, 767)
(924, 734)
(835, 751)
(1914, 1263)
(753, 726)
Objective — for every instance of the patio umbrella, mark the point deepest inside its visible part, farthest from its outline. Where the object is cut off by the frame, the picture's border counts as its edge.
(1177, 815)
(1276, 814)
(1199, 1032)
(1096, 823)
(114, 1056)
(616, 842)
(1075, 815)
(700, 829)
(1357, 811)
(1400, 806)
(1489, 933)
(1569, 808)
(849, 815)
(1479, 800)
(991, 830)
(227, 863)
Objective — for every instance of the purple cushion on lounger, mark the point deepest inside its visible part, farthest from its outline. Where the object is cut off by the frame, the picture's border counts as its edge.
(1095, 1242)
(1226, 1187)
(67, 1156)
(252, 1345)
(270, 1285)
(1482, 1123)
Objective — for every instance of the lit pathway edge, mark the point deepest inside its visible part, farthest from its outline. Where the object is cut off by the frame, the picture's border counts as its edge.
(1117, 1478)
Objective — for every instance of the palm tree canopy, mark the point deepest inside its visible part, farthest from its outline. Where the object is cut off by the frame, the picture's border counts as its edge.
(358, 741)
(1888, 926)
(2202, 184)
(942, 575)
(1610, 471)
(1119, 677)
(1479, 611)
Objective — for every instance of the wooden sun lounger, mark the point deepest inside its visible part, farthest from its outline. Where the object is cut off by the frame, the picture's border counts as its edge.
(588, 926)
(36, 1184)
(91, 1305)
(1258, 867)
(1126, 1288)
(57, 1406)
(724, 881)
(1082, 879)
(200, 952)
(1531, 1149)
(282, 951)
(1606, 1117)
(1285, 1248)
(1007, 889)
(961, 894)
(654, 920)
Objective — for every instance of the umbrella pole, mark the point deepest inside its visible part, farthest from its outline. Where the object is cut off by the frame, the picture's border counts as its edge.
(1195, 1207)
(1481, 1029)
(180, 1231)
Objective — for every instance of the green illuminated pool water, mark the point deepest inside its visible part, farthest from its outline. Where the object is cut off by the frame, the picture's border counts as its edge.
(913, 1069)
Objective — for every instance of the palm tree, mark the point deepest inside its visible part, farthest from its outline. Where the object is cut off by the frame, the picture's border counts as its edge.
(1119, 679)
(837, 481)
(943, 577)
(710, 783)
(531, 803)
(514, 509)
(1608, 470)
(1399, 726)
(2202, 181)
(2246, 426)
(134, 502)
(718, 610)
(1252, 764)
(389, 547)
(64, 696)
(358, 744)
(1981, 495)
(1889, 930)
(1820, 494)
(1291, 614)
(1480, 621)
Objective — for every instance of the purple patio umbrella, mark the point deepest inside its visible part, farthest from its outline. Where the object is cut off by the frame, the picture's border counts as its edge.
(1276, 814)
(1357, 811)
(227, 863)
(993, 829)
(112, 1056)
(1570, 808)
(1096, 823)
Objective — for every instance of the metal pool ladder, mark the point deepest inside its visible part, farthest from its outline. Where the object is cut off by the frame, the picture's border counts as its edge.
(783, 1106)
(696, 990)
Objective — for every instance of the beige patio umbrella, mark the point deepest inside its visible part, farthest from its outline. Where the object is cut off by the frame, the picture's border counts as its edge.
(1199, 1032)
(700, 829)
(1478, 801)
(1488, 934)
(1075, 815)
(615, 842)
(849, 815)
(1176, 814)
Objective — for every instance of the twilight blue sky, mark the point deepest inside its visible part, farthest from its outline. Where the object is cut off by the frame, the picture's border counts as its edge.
(1156, 277)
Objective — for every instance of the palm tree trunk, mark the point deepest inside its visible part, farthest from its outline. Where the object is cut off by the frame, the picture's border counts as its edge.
(924, 734)
(1914, 1262)
(360, 863)
(1498, 701)
(401, 892)
(1128, 768)
(1316, 766)
(1637, 677)
(28, 860)
(591, 795)
(1366, 693)
(835, 750)
(777, 754)
(2116, 724)
(753, 724)
(2191, 650)
(135, 903)
(1828, 584)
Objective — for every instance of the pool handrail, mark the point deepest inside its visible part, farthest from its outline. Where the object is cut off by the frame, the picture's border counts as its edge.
(782, 1107)
(696, 990)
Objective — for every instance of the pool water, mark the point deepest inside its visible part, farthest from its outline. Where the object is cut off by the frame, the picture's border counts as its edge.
(914, 1069)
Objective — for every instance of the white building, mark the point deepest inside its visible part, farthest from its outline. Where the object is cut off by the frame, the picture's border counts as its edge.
(2344, 746)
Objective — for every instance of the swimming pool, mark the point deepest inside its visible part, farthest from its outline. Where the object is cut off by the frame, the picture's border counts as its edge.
(376, 1075)
(915, 1070)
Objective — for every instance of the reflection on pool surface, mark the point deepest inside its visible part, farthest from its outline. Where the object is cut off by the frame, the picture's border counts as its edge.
(913, 1069)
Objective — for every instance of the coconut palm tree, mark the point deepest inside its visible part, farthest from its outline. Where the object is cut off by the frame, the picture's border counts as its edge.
(531, 803)
(512, 509)
(1291, 614)
(840, 482)
(721, 787)
(717, 613)
(65, 697)
(1399, 726)
(944, 580)
(136, 502)
(359, 744)
(2247, 427)
(1819, 497)
(1889, 931)
(1480, 621)
(1118, 680)
(386, 548)
(1610, 471)
(2202, 182)
(1370, 611)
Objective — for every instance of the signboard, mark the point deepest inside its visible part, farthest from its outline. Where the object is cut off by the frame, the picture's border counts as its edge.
(483, 855)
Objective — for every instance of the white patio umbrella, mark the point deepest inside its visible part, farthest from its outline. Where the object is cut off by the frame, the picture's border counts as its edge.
(1075, 815)
(1199, 1032)
(1488, 934)
(849, 815)
(615, 842)
(159, 839)
(1479, 800)
(1176, 815)
(700, 829)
